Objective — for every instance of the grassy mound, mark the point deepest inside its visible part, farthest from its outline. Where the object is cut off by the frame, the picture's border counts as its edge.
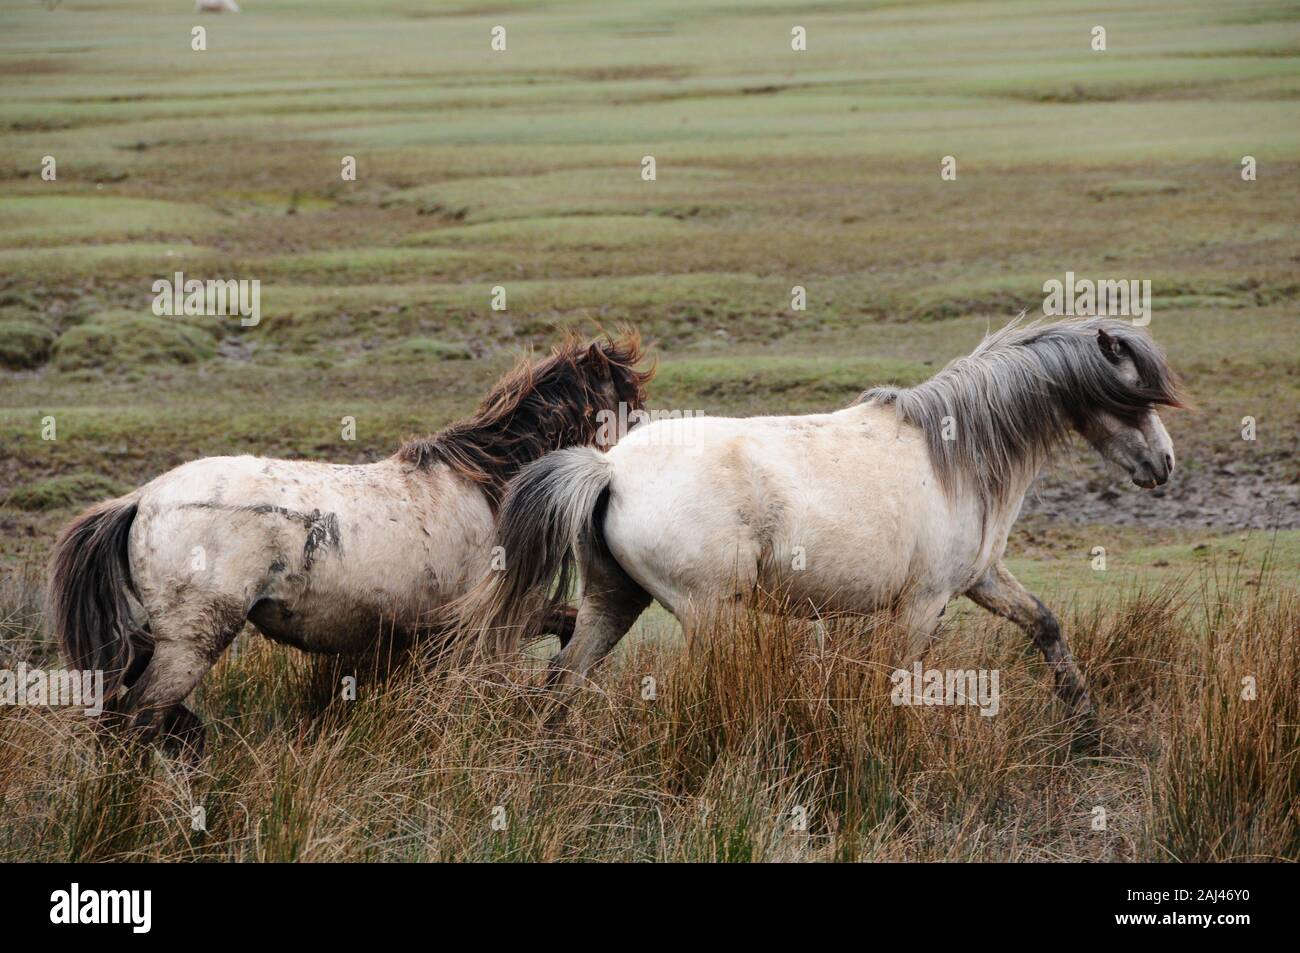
(418, 350)
(129, 339)
(24, 344)
(68, 489)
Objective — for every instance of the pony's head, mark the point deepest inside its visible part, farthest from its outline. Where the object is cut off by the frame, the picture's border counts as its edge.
(610, 365)
(540, 406)
(1119, 418)
(1017, 395)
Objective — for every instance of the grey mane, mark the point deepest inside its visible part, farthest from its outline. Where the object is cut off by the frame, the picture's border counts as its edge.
(1017, 395)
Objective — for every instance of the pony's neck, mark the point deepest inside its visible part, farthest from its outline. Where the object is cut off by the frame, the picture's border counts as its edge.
(490, 452)
(989, 424)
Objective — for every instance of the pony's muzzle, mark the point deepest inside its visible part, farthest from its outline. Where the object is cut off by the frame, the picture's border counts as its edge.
(1150, 474)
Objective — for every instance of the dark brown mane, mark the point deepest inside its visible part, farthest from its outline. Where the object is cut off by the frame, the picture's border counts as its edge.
(538, 407)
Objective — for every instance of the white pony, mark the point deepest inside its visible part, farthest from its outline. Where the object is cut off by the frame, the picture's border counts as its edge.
(216, 6)
(152, 587)
(900, 501)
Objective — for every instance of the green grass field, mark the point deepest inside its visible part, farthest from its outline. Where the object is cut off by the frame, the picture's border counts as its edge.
(523, 169)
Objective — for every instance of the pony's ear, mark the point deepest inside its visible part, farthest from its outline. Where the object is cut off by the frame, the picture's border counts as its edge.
(596, 355)
(1109, 346)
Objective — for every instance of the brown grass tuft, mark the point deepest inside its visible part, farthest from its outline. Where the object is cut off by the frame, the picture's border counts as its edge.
(760, 724)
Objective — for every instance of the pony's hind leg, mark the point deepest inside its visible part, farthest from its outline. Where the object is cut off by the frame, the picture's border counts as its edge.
(611, 602)
(1002, 594)
(186, 645)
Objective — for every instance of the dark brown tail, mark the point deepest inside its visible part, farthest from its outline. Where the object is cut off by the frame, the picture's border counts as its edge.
(90, 579)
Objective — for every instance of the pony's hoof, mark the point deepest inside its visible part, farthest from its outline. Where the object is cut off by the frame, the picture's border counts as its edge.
(182, 736)
(1087, 737)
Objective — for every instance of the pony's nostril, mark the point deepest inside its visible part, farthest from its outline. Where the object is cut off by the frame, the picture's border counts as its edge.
(1169, 463)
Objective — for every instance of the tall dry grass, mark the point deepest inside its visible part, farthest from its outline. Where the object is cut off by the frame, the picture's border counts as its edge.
(768, 739)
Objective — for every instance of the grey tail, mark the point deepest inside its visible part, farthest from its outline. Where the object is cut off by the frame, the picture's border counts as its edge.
(87, 602)
(549, 518)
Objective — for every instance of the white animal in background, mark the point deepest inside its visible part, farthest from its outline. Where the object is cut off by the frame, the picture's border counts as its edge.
(215, 6)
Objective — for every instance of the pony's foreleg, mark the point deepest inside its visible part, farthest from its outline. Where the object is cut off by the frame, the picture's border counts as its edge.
(1002, 594)
(920, 620)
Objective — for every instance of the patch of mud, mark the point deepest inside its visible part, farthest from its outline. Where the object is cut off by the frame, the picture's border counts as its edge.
(1261, 492)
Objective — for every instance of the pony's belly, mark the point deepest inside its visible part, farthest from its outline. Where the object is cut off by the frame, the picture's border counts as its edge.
(394, 586)
(819, 560)
(830, 592)
(333, 625)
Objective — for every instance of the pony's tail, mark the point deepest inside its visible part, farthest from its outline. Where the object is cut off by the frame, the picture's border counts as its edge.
(547, 520)
(90, 578)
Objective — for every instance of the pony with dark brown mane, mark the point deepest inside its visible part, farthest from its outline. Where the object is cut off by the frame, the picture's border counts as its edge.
(152, 587)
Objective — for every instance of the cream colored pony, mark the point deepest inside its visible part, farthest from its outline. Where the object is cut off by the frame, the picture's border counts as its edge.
(901, 501)
(152, 587)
